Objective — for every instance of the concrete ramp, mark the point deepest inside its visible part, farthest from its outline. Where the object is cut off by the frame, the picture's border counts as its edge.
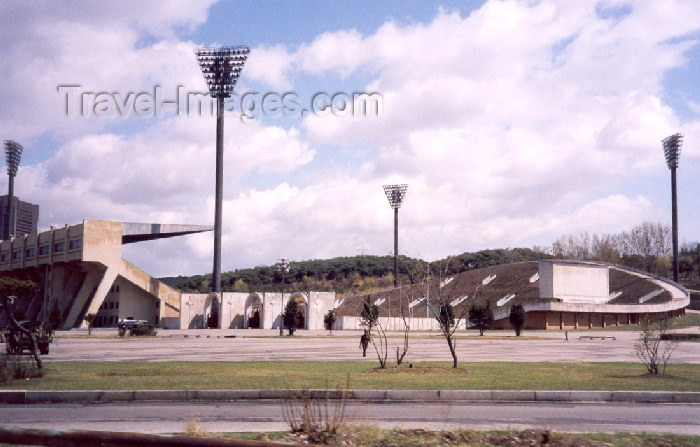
(138, 232)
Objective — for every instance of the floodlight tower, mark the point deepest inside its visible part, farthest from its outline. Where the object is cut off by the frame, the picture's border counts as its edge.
(672, 151)
(13, 154)
(395, 194)
(221, 68)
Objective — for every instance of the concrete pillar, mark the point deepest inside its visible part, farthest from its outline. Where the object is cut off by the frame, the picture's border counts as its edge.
(602, 320)
(590, 320)
(575, 320)
(617, 319)
(561, 320)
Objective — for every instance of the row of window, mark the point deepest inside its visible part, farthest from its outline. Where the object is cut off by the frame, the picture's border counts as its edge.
(106, 321)
(110, 305)
(58, 247)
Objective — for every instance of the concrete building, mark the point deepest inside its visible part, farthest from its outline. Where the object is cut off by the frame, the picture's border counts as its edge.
(555, 294)
(80, 270)
(255, 309)
(25, 216)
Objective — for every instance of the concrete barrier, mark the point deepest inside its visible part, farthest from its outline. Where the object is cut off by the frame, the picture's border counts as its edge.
(222, 395)
(367, 395)
(419, 395)
(161, 395)
(686, 398)
(573, 396)
(27, 397)
(12, 397)
(642, 396)
(466, 395)
(513, 395)
(117, 396)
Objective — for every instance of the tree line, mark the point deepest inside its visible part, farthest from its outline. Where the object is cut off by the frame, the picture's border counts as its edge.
(345, 275)
(647, 247)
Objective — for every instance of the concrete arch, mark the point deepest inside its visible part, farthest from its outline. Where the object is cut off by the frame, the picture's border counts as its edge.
(303, 309)
(212, 304)
(253, 305)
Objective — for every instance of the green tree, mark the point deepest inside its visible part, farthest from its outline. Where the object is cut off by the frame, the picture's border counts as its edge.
(329, 320)
(517, 318)
(369, 317)
(289, 316)
(12, 291)
(481, 317)
(240, 286)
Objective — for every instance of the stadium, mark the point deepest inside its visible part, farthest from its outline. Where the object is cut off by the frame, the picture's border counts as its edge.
(79, 270)
(555, 294)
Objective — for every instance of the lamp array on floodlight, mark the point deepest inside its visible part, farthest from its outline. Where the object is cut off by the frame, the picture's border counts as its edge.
(672, 152)
(13, 154)
(672, 149)
(221, 68)
(395, 194)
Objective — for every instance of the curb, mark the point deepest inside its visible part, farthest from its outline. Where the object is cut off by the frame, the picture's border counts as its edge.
(32, 397)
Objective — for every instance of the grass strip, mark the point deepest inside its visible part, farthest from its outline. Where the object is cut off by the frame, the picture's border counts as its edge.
(371, 436)
(363, 375)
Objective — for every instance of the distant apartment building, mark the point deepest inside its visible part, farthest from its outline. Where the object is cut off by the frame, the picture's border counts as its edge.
(25, 217)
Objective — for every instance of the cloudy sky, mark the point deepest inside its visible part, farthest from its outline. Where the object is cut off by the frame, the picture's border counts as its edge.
(512, 122)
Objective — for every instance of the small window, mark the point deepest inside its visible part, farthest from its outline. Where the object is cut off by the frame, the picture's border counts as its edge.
(16, 255)
(117, 305)
(30, 253)
(3, 257)
(116, 289)
(75, 244)
(43, 250)
(58, 247)
(111, 304)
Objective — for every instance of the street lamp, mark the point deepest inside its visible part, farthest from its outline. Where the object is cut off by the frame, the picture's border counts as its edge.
(395, 194)
(221, 68)
(283, 266)
(189, 312)
(13, 154)
(672, 151)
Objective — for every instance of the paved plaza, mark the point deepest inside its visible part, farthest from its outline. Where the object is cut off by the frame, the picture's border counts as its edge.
(247, 345)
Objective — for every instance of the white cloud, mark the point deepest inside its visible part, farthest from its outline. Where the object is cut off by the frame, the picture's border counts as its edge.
(512, 125)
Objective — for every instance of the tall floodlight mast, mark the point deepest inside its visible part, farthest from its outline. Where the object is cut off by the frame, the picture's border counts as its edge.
(221, 68)
(395, 194)
(13, 154)
(672, 151)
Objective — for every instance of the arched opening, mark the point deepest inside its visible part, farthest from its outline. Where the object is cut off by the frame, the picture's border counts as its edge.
(301, 319)
(210, 318)
(253, 311)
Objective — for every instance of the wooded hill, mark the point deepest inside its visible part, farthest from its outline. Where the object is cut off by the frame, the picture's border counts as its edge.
(349, 275)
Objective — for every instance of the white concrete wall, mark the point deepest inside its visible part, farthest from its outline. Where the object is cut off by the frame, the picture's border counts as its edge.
(236, 308)
(574, 283)
(392, 324)
(192, 310)
(136, 303)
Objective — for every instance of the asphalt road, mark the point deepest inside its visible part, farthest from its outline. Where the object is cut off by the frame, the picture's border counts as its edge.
(267, 415)
(310, 345)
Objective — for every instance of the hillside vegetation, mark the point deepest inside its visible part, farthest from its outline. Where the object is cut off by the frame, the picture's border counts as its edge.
(348, 275)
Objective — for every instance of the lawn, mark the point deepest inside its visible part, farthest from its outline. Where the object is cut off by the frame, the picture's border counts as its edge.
(359, 435)
(362, 375)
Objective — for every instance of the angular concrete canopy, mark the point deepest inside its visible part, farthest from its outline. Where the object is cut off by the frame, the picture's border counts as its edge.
(138, 232)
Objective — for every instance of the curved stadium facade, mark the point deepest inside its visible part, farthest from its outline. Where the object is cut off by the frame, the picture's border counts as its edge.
(555, 294)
